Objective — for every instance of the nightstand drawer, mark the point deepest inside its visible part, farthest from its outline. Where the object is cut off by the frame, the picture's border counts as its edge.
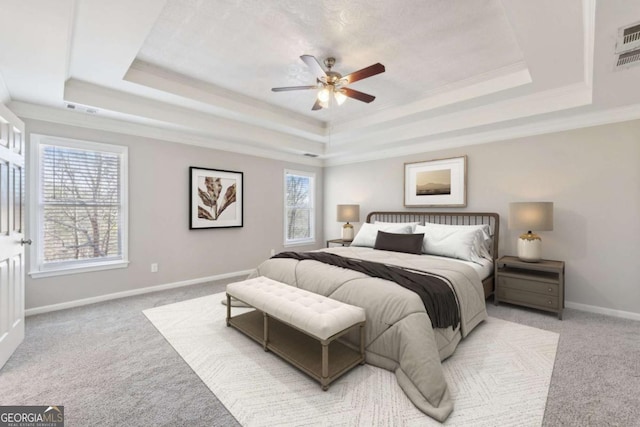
(528, 285)
(532, 284)
(528, 298)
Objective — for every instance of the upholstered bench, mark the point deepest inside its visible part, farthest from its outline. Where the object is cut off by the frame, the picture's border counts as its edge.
(299, 326)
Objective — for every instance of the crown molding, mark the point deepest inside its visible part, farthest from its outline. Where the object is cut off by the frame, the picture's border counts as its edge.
(523, 107)
(168, 115)
(499, 80)
(590, 119)
(56, 115)
(225, 103)
(83, 120)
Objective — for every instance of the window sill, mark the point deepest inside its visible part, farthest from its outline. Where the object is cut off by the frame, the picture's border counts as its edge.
(85, 268)
(300, 243)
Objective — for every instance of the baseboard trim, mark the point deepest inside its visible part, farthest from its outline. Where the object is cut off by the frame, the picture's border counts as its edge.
(603, 310)
(132, 292)
(174, 285)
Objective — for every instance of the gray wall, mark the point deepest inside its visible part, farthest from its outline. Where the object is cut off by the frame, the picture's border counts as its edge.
(159, 218)
(592, 175)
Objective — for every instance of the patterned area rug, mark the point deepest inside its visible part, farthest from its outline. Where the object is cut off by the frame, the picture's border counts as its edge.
(499, 375)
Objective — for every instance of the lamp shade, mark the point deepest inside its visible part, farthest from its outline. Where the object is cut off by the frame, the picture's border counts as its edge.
(530, 216)
(536, 216)
(348, 213)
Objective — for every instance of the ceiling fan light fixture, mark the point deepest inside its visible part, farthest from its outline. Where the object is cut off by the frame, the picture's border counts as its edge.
(330, 83)
(339, 96)
(324, 94)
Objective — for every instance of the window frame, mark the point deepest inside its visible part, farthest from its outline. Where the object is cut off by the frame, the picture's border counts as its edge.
(312, 209)
(37, 267)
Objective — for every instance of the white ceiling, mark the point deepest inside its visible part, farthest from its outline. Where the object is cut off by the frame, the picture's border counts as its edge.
(200, 71)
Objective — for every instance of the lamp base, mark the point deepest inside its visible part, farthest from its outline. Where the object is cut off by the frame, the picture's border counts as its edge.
(347, 232)
(530, 247)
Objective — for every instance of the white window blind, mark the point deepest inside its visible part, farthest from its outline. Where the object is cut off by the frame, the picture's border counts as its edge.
(81, 215)
(299, 207)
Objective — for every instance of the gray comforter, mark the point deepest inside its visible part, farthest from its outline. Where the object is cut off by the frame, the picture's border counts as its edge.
(399, 336)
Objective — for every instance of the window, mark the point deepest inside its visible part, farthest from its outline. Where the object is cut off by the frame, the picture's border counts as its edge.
(299, 221)
(78, 213)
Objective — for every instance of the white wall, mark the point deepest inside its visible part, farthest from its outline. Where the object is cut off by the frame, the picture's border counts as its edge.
(592, 175)
(159, 218)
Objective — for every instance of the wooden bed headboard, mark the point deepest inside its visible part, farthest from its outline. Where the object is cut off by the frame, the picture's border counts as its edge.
(452, 218)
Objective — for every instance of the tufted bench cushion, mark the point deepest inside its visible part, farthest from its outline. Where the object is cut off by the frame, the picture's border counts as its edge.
(300, 326)
(314, 314)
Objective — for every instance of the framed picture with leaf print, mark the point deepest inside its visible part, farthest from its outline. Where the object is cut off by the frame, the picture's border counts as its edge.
(215, 198)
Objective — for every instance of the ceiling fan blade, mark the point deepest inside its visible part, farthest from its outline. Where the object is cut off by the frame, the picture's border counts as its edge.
(360, 96)
(314, 65)
(371, 70)
(283, 89)
(317, 105)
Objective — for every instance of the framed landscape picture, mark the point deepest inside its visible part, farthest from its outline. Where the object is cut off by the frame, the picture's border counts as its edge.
(215, 198)
(441, 183)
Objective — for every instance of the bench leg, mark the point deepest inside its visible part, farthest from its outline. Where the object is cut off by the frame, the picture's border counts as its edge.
(266, 331)
(325, 366)
(228, 309)
(362, 344)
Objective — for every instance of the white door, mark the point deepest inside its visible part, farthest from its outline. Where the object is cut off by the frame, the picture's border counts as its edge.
(12, 265)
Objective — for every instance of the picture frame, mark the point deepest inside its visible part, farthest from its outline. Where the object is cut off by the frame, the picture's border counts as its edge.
(215, 198)
(436, 183)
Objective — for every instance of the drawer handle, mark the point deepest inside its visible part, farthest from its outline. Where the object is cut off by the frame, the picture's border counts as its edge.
(549, 302)
(550, 290)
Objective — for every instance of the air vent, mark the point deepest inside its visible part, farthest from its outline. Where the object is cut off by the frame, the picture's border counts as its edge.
(628, 38)
(631, 34)
(81, 108)
(628, 46)
(628, 59)
(310, 155)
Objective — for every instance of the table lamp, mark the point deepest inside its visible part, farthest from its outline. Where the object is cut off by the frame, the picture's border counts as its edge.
(348, 213)
(530, 216)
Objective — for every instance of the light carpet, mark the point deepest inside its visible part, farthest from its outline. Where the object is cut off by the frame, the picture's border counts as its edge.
(499, 375)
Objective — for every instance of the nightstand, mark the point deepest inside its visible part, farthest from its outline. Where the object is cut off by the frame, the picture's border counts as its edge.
(532, 284)
(338, 242)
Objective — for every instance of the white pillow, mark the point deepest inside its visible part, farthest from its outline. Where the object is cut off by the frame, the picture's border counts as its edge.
(412, 224)
(484, 239)
(467, 242)
(368, 232)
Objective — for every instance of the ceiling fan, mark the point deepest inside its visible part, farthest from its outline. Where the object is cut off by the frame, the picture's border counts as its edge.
(332, 84)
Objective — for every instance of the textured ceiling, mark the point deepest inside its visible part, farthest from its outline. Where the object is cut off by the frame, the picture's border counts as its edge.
(249, 47)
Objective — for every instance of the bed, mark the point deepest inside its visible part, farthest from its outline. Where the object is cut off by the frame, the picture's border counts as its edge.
(400, 335)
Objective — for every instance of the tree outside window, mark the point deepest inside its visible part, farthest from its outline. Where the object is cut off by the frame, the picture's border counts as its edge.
(299, 209)
(79, 215)
(81, 203)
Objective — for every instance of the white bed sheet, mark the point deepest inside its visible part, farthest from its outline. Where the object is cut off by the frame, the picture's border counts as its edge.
(484, 270)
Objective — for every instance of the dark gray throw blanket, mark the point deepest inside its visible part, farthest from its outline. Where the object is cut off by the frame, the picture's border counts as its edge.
(437, 296)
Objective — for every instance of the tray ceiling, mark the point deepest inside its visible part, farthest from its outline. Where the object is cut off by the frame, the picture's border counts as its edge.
(424, 45)
(201, 72)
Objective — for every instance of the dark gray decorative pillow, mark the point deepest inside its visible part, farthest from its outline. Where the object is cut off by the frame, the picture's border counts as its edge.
(409, 243)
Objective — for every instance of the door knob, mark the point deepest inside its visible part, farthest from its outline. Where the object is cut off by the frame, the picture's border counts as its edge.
(25, 242)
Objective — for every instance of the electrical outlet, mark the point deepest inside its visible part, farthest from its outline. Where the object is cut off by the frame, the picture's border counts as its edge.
(154, 267)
